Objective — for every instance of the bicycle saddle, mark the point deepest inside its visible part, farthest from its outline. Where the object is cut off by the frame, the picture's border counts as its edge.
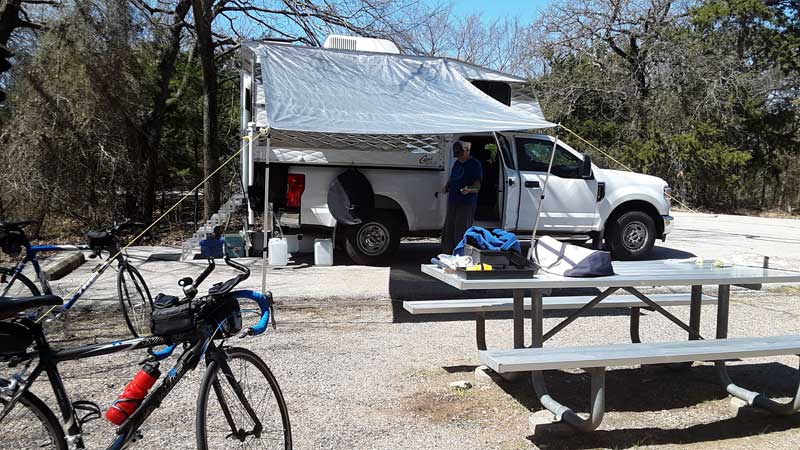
(16, 224)
(11, 306)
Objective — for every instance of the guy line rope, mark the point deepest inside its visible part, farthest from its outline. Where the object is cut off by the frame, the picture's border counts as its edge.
(618, 162)
(199, 185)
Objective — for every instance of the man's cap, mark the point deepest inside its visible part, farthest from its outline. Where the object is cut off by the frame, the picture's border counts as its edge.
(458, 149)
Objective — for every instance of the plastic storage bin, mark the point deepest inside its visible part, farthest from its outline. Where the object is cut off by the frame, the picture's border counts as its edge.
(234, 245)
(211, 248)
(323, 252)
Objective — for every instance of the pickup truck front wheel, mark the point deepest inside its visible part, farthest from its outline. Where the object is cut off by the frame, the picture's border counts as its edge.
(372, 241)
(631, 235)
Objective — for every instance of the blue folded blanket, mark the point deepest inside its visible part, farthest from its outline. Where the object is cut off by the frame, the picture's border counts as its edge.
(484, 239)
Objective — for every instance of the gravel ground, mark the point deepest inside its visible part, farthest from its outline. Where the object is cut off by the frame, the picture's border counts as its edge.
(358, 377)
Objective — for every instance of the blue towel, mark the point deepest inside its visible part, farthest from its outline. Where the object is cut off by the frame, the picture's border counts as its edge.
(484, 239)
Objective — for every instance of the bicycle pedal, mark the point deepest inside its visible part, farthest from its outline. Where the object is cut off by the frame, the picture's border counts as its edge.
(91, 411)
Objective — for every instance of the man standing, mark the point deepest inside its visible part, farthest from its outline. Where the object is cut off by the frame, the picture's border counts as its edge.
(462, 195)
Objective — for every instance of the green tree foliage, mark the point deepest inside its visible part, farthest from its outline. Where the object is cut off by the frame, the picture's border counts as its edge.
(705, 97)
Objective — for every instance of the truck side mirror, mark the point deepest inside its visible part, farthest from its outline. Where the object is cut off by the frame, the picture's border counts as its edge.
(585, 171)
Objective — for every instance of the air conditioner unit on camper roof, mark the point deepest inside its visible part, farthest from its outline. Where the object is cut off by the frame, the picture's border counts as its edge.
(360, 44)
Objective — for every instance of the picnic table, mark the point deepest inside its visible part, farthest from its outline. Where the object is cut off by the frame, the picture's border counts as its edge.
(630, 276)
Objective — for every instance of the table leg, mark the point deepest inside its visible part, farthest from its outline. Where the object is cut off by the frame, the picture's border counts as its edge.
(723, 307)
(695, 310)
(480, 331)
(537, 318)
(751, 397)
(519, 317)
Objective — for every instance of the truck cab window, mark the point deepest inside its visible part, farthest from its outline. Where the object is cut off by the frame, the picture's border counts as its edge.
(534, 156)
(506, 150)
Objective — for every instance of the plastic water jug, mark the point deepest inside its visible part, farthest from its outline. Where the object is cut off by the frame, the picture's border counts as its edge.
(323, 252)
(278, 252)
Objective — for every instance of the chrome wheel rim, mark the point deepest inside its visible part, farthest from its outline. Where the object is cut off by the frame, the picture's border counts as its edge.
(373, 239)
(634, 236)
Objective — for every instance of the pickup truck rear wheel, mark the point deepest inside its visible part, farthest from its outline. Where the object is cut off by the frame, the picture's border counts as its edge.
(372, 241)
(631, 235)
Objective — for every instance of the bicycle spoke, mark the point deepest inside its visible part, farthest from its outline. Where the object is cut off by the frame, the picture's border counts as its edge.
(256, 399)
(23, 428)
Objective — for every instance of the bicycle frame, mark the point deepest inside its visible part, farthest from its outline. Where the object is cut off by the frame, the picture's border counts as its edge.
(48, 364)
(30, 257)
(202, 345)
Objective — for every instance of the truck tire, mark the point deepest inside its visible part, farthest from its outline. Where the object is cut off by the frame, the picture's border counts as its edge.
(631, 235)
(372, 241)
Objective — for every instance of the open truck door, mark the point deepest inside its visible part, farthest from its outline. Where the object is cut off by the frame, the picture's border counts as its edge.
(570, 203)
(509, 188)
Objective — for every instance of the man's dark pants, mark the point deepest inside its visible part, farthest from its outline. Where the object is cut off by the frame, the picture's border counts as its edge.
(459, 218)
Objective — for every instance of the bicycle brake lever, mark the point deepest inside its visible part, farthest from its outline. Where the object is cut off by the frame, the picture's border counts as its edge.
(246, 333)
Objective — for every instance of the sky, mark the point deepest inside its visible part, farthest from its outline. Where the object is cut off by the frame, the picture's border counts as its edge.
(524, 9)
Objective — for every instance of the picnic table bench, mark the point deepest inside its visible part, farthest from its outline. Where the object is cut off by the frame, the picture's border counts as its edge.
(629, 276)
(480, 307)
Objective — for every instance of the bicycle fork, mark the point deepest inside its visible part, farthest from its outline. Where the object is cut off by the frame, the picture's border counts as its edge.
(240, 434)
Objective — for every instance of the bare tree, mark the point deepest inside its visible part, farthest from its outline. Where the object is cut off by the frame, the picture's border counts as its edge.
(15, 17)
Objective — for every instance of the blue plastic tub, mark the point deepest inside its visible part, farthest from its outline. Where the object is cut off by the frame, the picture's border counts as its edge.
(211, 248)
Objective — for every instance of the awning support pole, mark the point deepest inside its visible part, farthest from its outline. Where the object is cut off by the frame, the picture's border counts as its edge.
(544, 190)
(267, 217)
(247, 172)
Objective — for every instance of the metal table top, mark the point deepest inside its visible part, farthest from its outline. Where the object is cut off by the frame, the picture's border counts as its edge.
(630, 274)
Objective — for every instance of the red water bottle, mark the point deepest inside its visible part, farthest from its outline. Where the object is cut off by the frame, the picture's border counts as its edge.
(132, 395)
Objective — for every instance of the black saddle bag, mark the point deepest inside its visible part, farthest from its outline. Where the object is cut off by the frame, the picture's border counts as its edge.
(11, 242)
(100, 240)
(14, 339)
(222, 312)
(170, 317)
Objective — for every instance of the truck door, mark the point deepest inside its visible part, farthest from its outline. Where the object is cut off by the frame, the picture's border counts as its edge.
(570, 202)
(509, 187)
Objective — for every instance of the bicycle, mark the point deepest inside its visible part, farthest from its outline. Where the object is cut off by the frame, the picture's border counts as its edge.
(134, 297)
(239, 415)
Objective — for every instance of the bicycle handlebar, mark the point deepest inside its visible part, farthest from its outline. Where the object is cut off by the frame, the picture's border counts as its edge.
(265, 302)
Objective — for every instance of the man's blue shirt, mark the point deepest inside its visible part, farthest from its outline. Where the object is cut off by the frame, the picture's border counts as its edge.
(463, 175)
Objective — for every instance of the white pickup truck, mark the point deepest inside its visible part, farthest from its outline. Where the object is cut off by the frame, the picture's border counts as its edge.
(358, 105)
(627, 211)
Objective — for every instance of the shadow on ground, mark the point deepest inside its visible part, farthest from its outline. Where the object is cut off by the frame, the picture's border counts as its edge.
(656, 388)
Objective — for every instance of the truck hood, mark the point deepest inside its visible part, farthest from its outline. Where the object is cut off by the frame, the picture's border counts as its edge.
(628, 177)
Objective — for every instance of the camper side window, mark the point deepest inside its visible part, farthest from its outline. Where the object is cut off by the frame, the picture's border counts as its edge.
(534, 156)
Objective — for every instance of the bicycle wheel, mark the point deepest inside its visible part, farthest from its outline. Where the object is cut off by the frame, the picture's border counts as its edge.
(222, 420)
(134, 300)
(20, 286)
(31, 424)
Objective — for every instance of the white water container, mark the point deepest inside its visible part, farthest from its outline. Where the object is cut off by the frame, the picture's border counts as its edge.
(278, 252)
(323, 252)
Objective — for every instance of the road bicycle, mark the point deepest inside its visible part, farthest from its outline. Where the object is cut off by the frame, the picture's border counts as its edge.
(134, 297)
(240, 404)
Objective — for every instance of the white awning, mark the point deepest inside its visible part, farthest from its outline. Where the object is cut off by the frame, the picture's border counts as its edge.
(311, 89)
